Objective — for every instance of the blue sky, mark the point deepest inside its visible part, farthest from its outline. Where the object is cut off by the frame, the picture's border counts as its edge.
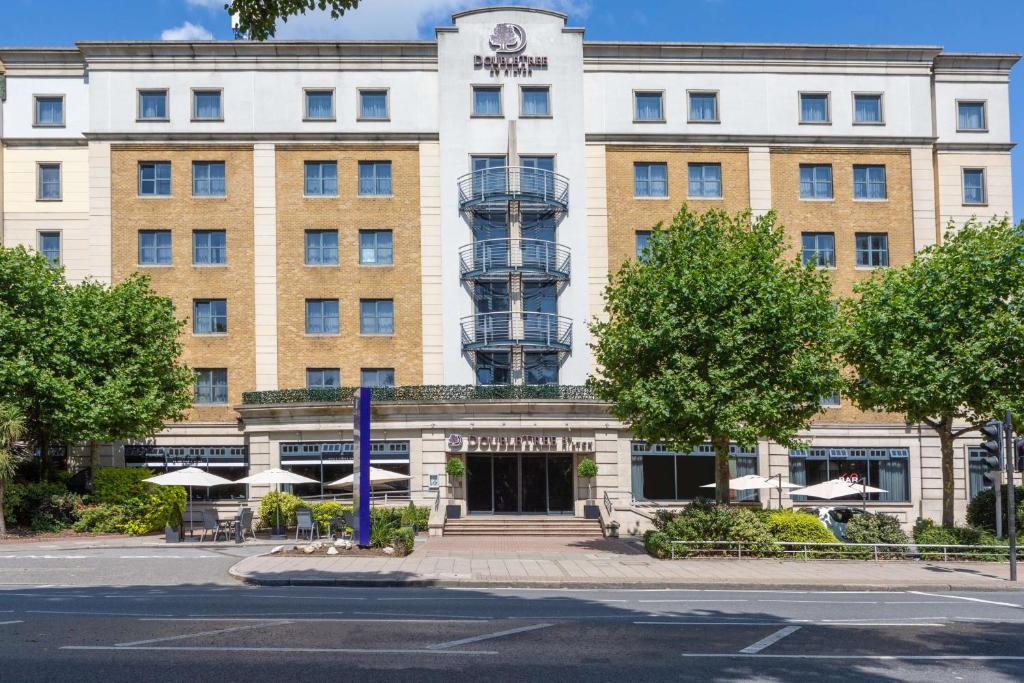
(980, 25)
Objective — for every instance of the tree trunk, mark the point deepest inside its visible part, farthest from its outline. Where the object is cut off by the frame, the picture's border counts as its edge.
(946, 438)
(44, 457)
(3, 522)
(94, 456)
(721, 445)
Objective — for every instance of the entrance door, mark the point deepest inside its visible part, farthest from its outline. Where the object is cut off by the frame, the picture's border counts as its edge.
(506, 484)
(560, 496)
(479, 484)
(535, 483)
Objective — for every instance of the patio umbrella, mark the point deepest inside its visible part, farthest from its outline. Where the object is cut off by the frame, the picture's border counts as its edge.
(755, 481)
(277, 477)
(190, 476)
(377, 476)
(838, 488)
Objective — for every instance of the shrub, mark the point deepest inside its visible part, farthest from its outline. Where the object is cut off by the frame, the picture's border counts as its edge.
(324, 512)
(56, 512)
(268, 509)
(414, 516)
(100, 519)
(707, 522)
(117, 484)
(927, 533)
(875, 528)
(454, 467)
(403, 540)
(663, 517)
(587, 469)
(657, 543)
(22, 500)
(981, 512)
(798, 527)
(382, 530)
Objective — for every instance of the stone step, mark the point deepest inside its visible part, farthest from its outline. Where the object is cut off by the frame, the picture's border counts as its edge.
(524, 526)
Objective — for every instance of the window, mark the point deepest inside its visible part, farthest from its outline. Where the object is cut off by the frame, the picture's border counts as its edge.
(152, 105)
(322, 316)
(885, 468)
(155, 178)
(323, 378)
(154, 247)
(815, 181)
(319, 105)
(377, 377)
(209, 248)
(819, 248)
(705, 181)
(867, 108)
(493, 367)
(648, 106)
(375, 178)
(208, 179)
(373, 104)
(540, 367)
(321, 179)
(872, 249)
(375, 248)
(49, 110)
(376, 316)
(49, 246)
(974, 186)
(976, 471)
(830, 401)
(642, 238)
(210, 316)
(321, 247)
(206, 105)
(536, 101)
(703, 107)
(661, 474)
(211, 385)
(814, 108)
(971, 116)
(486, 100)
(869, 182)
(48, 188)
(650, 179)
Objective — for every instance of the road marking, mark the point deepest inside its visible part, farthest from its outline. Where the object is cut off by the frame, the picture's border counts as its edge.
(16, 621)
(184, 636)
(314, 650)
(425, 616)
(710, 623)
(826, 602)
(326, 619)
(962, 597)
(769, 640)
(779, 623)
(94, 614)
(983, 658)
(487, 636)
(699, 600)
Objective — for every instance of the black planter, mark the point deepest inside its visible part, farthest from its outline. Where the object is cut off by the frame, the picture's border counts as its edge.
(172, 534)
(591, 512)
(453, 511)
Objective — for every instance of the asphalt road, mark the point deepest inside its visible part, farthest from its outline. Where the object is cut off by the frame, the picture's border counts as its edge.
(235, 632)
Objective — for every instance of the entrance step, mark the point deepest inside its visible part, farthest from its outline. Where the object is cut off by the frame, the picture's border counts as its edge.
(523, 526)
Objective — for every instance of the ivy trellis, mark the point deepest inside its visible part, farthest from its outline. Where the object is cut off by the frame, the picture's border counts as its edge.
(428, 393)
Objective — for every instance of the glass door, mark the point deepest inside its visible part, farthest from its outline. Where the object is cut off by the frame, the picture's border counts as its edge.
(560, 498)
(506, 484)
(479, 484)
(535, 487)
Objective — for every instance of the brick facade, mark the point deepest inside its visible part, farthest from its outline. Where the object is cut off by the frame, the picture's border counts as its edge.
(181, 213)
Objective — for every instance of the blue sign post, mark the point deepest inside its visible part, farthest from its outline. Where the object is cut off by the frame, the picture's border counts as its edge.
(361, 466)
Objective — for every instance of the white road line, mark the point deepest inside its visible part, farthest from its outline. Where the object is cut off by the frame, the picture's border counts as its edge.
(697, 600)
(769, 640)
(801, 621)
(827, 602)
(425, 616)
(312, 650)
(709, 623)
(185, 636)
(962, 597)
(326, 619)
(93, 614)
(16, 621)
(983, 658)
(487, 636)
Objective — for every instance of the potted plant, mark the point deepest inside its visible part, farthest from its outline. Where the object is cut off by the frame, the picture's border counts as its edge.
(454, 469)
(587, 469)
(172, 529)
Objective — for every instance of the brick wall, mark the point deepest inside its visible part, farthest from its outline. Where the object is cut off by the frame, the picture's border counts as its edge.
(181, 214)
(349, 281)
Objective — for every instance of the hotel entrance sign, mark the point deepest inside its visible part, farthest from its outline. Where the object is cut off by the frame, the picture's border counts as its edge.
(508, 42)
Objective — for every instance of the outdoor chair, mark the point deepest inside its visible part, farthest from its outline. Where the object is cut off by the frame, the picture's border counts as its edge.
(212, 523)
(338, 527)
(244, 523)
(305, 524)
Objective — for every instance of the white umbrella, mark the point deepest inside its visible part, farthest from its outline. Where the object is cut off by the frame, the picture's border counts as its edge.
(276, 476)
(190, 476)
(838, 488)
(377, 476)
(755, 481)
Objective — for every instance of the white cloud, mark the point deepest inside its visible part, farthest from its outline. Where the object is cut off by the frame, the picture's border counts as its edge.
(399, 19)
(207, 4)
(187, 31)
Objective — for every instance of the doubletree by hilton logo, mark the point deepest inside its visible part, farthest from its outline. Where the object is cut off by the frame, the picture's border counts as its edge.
(455, 442)
(508, 41)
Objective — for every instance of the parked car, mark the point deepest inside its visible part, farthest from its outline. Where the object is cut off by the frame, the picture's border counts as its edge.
(835, 519)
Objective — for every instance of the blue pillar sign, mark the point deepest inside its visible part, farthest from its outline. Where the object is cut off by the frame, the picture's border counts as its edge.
(361, 466)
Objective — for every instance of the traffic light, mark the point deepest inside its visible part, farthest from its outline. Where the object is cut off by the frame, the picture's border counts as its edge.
(992, 461)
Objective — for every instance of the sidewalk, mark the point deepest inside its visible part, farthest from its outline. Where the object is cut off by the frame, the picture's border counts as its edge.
(549, 562)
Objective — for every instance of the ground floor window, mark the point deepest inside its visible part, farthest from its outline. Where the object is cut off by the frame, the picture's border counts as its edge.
(976, 472)
(885, 468)
(327, 461)
(661, 474)
(230, 462)
(326, 472)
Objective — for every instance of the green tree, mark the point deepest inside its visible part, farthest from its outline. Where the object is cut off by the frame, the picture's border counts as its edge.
(257, 19)
(941, 339)
(12, 426)
(716, 333)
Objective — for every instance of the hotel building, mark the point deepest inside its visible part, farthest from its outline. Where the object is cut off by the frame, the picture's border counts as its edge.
(441, 216)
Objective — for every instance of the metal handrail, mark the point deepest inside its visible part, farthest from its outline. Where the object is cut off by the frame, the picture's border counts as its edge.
(486, 188)
(507, 329)
(515, 255)
(839, 550)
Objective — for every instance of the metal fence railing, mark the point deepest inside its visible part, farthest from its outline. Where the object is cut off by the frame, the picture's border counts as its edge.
(839, 551)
